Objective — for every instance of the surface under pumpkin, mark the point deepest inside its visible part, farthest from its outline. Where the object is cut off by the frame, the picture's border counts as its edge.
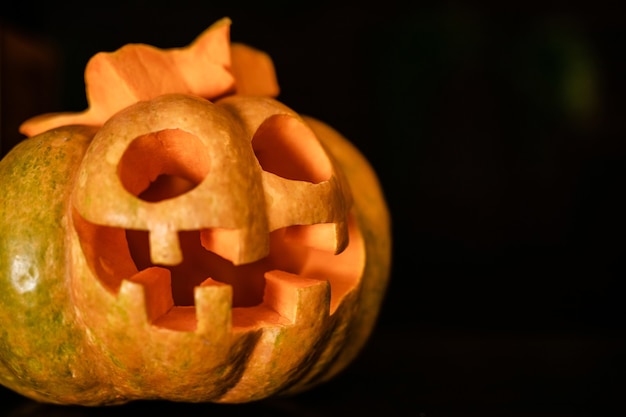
(189, 240)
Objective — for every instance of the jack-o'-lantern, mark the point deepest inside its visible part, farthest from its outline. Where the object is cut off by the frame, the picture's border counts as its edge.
(187, 238)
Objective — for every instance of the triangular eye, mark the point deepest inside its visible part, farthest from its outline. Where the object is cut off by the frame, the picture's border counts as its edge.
(285, 146)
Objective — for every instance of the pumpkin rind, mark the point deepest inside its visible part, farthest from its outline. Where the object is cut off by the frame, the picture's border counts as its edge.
(40, 337)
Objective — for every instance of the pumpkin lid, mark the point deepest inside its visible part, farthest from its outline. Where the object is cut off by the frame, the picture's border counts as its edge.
(208, 67)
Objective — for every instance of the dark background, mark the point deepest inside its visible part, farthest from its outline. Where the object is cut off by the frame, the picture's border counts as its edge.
(498, 136)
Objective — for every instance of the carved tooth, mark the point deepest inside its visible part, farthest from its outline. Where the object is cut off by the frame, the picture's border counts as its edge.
(342, 236)
(132, 301)
(145, 296)
(295, 297)
(157, 287)
(213, 310)
(165, 246)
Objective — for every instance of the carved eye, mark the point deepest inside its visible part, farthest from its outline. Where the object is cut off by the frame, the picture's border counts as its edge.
(285, 147)
(162, 165)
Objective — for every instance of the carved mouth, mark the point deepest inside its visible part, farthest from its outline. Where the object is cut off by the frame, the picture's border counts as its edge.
(259, 292)
(175, 267)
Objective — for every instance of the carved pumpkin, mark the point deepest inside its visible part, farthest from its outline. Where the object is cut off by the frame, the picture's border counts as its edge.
(170, 244)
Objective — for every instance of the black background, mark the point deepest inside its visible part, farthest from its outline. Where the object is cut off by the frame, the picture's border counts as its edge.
(498, 136)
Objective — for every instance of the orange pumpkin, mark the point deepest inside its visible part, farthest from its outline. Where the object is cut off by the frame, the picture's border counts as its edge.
(187, 237)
